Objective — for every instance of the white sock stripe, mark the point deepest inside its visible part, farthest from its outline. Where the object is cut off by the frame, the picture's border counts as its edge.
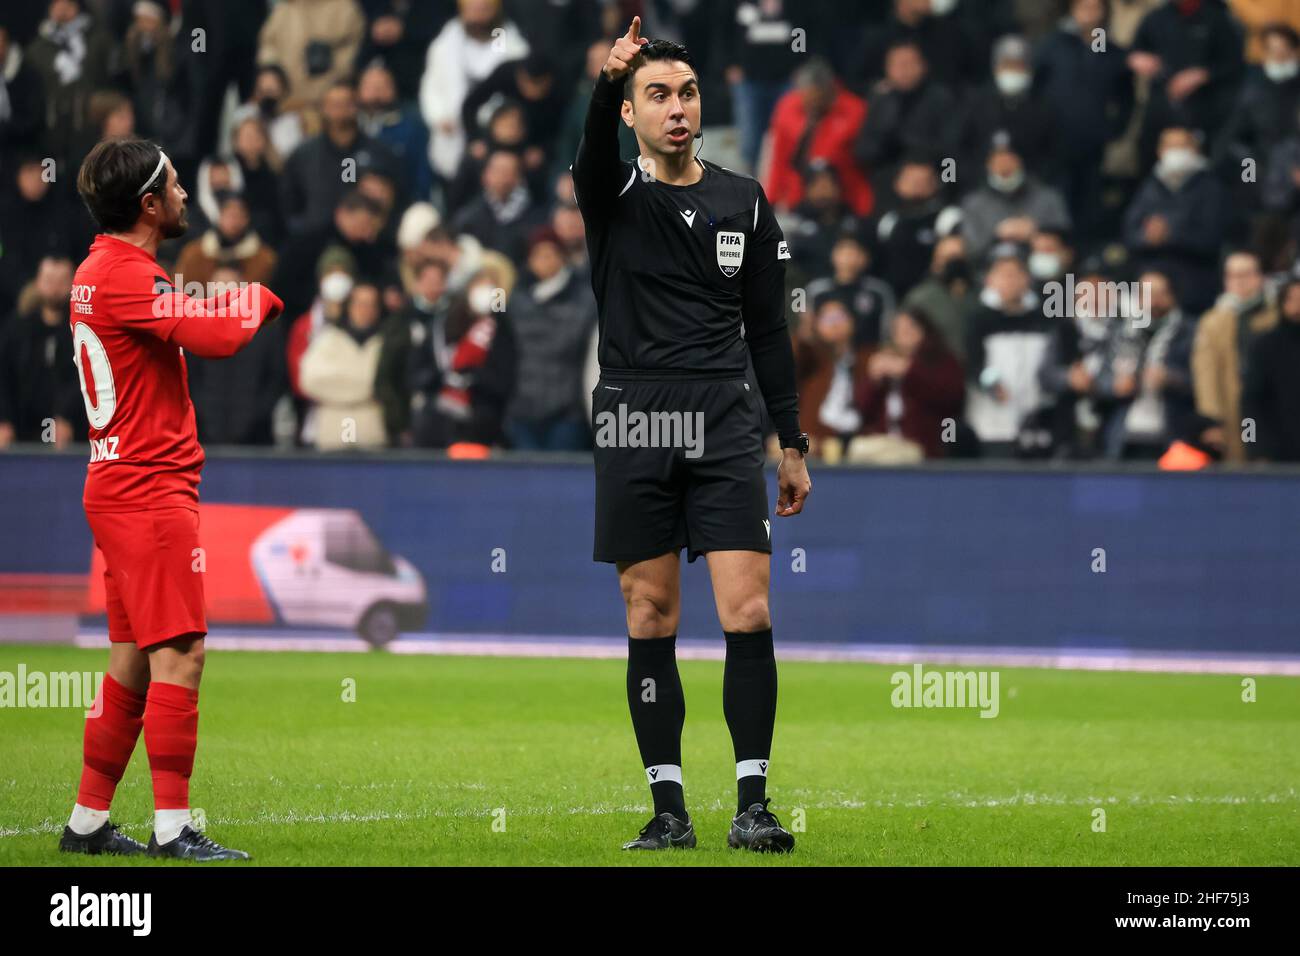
(663, 771)
(751, 768)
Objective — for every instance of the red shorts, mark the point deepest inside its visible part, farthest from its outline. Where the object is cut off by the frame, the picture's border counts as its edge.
(151, 586)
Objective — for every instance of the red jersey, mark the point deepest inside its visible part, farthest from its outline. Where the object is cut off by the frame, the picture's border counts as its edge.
(130, 328)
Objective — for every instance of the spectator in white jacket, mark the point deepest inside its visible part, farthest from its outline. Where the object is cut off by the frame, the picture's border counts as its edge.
(470, 46)
(338, 373)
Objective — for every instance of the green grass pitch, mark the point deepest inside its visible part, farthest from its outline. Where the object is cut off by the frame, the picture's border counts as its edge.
(457, 760)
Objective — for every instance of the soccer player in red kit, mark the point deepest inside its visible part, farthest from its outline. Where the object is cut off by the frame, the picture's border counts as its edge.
(130, 330)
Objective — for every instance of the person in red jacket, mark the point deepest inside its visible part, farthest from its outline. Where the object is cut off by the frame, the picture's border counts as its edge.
(818, 119)
(130, 330)
(913, 386)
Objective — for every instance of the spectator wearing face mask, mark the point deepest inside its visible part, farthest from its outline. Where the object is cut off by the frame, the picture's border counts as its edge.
(1010, 205)
(315, 42)
(338, 374)
(1268, 105)
(463, 380)
(1190, 52)
(912, 392)
(1163, 403)
(40, 394)
(1007, 337)
(1176, 220)
(1088, 89)
(868, 297)
(1271, 394)
(1010, 105)
(917, 217)
(1222, 350)
(1263, 133)
(336, 274)
(947, 294)
(829, 364)
(1050, 257)
(285, 127)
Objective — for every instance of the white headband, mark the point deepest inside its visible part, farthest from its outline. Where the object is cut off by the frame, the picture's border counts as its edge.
(162, 161)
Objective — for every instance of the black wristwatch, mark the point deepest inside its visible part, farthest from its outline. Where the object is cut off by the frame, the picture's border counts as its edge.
(801, 443)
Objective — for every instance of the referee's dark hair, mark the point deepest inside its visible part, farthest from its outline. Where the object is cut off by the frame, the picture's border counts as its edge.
(110, 179)
(658, 50)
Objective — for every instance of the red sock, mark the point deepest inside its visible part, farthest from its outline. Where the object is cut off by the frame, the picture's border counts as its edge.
(171, 729)
(110, 739)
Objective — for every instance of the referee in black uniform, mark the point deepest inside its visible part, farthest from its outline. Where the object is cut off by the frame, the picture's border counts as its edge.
(689, 275)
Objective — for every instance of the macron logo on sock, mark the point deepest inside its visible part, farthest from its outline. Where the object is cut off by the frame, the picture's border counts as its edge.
(751, 768)
(664, 773)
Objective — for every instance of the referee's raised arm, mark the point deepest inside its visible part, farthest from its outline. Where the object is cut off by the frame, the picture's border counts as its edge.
(596, 168)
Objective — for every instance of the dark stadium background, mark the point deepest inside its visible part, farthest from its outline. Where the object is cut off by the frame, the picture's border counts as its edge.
(990, 547)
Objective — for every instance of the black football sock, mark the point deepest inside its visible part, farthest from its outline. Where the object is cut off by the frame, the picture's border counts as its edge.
(749, 703)
(654, 696)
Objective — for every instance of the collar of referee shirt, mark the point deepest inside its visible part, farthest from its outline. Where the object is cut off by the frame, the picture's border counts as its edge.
(659, 182)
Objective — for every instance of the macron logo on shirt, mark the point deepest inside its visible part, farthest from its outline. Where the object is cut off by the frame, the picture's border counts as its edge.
(689, 217)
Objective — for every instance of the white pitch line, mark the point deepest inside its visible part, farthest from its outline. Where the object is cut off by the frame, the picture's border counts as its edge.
(956, 801)
(501, 645)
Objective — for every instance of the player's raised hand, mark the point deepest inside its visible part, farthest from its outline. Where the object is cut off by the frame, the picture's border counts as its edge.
(623, 51)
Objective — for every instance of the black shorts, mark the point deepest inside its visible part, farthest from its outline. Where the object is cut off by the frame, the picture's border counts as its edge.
(679, 464)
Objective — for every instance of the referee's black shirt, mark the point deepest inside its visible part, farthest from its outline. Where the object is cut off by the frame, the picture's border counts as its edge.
(678, 269)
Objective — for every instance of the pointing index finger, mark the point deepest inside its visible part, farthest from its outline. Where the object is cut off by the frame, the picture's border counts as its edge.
(634, 31)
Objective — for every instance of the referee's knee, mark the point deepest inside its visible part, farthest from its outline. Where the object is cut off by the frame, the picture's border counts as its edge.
(651, 614)
(747, 615)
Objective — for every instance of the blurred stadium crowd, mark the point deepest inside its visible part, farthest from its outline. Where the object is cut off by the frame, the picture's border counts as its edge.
(1019, 228)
